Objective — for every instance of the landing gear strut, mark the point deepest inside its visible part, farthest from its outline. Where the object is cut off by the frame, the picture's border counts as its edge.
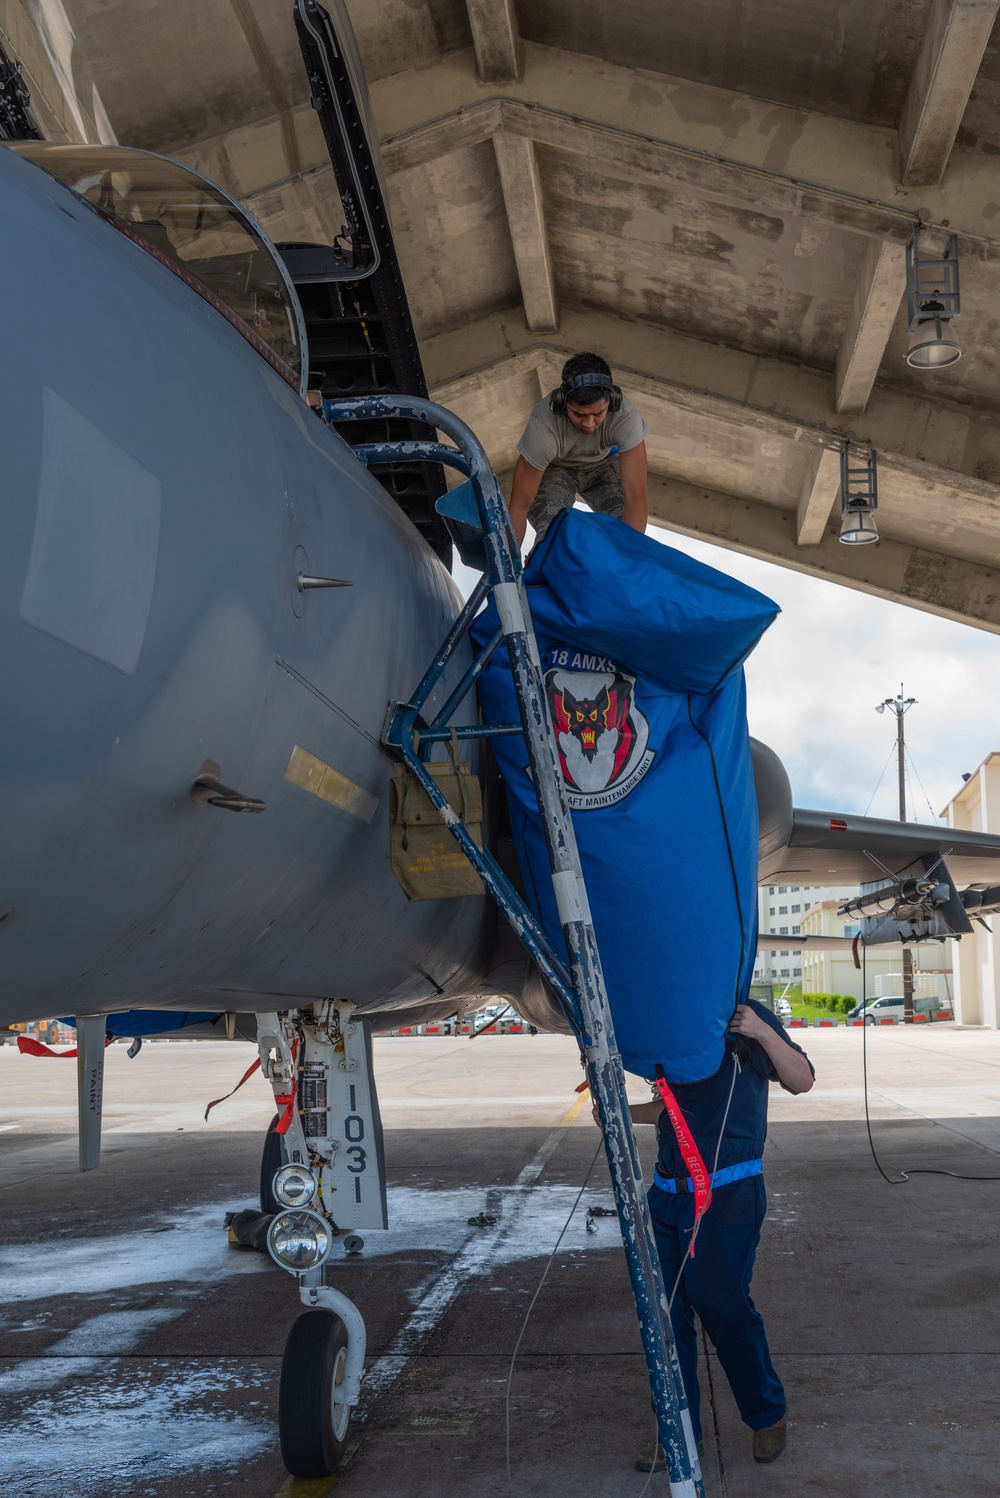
(322, 1161)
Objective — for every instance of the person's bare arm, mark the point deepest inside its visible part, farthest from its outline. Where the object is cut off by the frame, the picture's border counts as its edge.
(632, 467)
(791, 1065)
(522, 495)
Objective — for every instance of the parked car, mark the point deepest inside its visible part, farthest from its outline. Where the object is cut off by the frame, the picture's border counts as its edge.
(782, 1008)
(879, 1009)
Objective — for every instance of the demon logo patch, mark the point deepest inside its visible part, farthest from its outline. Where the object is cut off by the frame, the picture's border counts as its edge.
(602, 736)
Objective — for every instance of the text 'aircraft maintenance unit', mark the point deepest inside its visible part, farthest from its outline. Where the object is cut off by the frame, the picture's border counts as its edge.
(209, 606)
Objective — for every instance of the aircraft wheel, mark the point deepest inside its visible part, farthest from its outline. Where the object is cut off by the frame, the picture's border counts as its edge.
(312, 1423)
(271, 1162)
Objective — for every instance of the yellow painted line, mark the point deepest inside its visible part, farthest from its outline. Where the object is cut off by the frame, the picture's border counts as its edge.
(307, 1487)
(576, 1109)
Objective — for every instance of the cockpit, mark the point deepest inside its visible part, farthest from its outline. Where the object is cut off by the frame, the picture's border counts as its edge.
(197, 231)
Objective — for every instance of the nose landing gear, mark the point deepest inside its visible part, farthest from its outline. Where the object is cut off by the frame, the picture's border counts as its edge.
(325, 1148)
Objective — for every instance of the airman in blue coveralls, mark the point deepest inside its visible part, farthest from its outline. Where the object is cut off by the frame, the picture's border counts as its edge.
(715, 1283)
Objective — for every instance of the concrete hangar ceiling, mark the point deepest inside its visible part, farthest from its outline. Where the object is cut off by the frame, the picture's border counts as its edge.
(716, 194)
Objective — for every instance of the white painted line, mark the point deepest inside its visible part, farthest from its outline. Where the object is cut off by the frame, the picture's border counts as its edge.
(472, 1260)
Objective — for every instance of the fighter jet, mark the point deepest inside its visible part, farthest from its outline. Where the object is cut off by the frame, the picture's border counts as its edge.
(208, 603)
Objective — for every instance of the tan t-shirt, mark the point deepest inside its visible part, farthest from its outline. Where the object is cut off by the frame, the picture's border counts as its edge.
(554, 439)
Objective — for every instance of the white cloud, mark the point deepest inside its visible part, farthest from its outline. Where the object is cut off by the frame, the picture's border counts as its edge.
(830, 656)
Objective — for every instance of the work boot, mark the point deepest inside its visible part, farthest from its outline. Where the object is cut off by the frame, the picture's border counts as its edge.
(652, 1459)
(769, 1443)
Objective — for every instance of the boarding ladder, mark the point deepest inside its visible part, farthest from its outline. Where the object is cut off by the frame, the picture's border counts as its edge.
(480, 527)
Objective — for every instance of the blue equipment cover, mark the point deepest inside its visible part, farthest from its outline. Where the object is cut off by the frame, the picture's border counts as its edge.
(139, 1022)
(642, 650)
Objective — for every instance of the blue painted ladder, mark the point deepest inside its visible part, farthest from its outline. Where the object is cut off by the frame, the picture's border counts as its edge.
(480, 526)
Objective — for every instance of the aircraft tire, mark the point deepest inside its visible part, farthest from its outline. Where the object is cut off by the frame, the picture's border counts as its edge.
(271, 1161)
(313, 1427)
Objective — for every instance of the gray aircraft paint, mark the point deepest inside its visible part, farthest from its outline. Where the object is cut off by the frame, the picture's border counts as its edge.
(153, 459)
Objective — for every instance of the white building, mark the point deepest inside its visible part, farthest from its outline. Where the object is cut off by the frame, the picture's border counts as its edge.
(976, 807)
(781, 909)
(797, 910)
(834, 971)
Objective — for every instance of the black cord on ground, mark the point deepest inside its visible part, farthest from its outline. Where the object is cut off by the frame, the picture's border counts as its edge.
(914, 1170)
(531, 1307)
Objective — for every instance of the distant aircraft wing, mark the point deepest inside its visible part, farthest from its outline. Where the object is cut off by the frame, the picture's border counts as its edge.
(824, 847)
(832, 848)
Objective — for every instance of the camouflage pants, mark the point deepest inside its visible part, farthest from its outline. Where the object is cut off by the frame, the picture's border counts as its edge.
(598, 484)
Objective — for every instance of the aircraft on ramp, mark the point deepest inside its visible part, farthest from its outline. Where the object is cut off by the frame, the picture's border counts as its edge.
(208, 605)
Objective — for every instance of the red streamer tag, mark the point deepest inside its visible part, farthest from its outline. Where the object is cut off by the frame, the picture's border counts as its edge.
(690, 1153)
(29, 1047)
(286, 1100)
(245, 1078)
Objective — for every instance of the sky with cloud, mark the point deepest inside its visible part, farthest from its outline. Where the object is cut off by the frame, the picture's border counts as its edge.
(833, 653)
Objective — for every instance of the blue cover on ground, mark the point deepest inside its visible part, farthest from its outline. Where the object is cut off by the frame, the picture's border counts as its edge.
(642, 650)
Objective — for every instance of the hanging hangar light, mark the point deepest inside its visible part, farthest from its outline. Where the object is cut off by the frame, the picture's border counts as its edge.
(858, 494)
(932, 300)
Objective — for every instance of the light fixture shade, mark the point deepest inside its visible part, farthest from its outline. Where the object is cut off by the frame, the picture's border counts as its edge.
(931, 345)
(858, 528)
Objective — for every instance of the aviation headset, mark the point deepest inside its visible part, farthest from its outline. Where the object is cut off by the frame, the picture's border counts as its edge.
(589, 381)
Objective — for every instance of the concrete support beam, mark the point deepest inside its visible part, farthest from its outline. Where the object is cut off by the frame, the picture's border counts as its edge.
(522, 195)
(946, 586)
(766, 434)
(937, 442)
(879, 290)
(820, 492)
(949, 59)
(649, 128)
(495, 38)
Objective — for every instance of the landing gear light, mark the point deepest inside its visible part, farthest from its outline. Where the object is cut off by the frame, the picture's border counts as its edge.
(299, 1240)
(295, 1186)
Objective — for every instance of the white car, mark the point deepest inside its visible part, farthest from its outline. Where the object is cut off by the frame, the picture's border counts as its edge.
(782, 1008)
(880, 1009)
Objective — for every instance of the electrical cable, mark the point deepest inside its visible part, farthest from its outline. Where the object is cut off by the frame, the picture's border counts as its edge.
(914, 1170)
(697, 1225)
(916, 773)
(878, 782)
(534, 1298)
(549, 1262)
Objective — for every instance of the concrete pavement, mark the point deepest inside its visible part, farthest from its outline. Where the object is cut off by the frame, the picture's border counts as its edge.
(139, 1354)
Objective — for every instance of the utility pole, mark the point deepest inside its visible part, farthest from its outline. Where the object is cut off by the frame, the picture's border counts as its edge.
(900, 706)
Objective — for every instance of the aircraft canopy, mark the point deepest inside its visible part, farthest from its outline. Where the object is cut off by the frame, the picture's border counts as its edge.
(194, 228)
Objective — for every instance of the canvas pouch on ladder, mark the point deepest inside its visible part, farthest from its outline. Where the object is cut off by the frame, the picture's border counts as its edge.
(426, 859)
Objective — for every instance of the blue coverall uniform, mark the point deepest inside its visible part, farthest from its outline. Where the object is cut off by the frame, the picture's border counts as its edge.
(716, 1282)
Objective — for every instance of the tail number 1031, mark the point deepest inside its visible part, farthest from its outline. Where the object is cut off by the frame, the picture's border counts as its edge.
(354, 1133)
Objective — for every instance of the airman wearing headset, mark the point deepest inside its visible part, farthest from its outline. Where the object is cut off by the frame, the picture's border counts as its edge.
(584, 439)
